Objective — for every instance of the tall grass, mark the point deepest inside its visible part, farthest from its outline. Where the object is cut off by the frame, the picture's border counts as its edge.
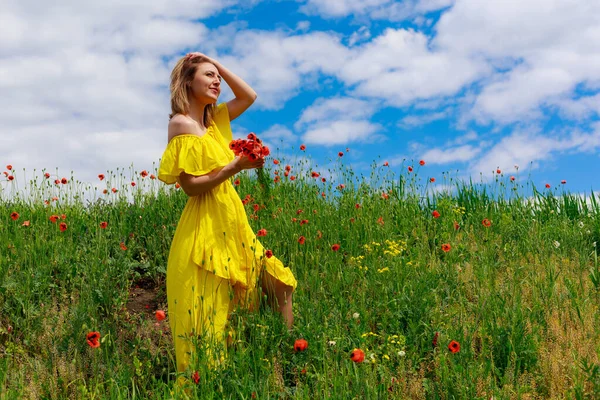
(520, 296)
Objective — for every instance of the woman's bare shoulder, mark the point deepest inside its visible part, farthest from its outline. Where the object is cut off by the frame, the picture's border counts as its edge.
(180, 124)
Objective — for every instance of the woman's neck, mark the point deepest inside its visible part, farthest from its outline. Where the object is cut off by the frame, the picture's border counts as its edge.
(197, 111)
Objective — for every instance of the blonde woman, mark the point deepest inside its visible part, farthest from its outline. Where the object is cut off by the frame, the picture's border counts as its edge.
(215, 261)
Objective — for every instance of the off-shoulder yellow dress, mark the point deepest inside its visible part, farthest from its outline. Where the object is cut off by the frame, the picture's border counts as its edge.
(215, 260)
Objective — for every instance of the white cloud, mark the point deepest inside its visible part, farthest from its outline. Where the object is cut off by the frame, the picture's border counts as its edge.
(278, 66)
(412, 121)
(546, 49)
(338, 120)
(340, 8)
(340, 132)
(399, 66)
(526, 148)
(360, 35)
(278, 132)
(375, 9)
(454, 154)
(86, 82)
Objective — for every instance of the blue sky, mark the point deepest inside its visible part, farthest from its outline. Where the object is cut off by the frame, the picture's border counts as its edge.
(467, 86)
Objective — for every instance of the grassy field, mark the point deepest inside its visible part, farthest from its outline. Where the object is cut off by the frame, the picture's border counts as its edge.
(512, 282)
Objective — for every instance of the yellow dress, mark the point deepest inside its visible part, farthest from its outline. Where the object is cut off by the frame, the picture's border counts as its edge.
(215, 260)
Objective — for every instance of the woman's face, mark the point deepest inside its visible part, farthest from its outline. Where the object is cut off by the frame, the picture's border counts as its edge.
(206, 85)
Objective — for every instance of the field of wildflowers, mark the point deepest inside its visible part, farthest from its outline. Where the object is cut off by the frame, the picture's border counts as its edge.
(474, 292)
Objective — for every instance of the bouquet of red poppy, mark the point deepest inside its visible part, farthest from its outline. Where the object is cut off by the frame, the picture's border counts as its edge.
(251, 147)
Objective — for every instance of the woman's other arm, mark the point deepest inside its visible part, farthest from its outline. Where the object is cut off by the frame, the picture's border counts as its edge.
(197, 185)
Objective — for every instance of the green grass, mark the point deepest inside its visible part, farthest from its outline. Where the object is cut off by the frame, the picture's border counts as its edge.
(520, 296)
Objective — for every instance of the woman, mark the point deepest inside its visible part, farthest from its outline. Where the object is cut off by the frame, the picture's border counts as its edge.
(214, 252)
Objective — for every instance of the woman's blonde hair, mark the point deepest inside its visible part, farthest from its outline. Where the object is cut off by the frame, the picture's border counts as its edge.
(181, 79)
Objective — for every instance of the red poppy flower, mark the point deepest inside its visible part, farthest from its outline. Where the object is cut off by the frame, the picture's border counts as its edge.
(335, 247)
(63, 226)
(9, 167)
(14, 215)
(314, 174)
(302, 147)
(277, 179)
(300, 345)
(54, 198)
(10, 177)
(563, 181)
(435, 339)
(251, 136)
(57, 181)
(386, 164)
(93, 339)
(301, 239)
(105, 191)
(196, 377)
(435, 214)
(114, 190)
(422, 162)
(144, 173)
(410, 169)
(340, 154)
(63, 216)
(498, 171)
(256, 207)
(357, 355)
(160, 315)
(303, 222)
(385, 195)
(456, 226)
(26, 223)
(292, 178)
(341, 186)
(132, 183)
(236, 182)
(380, 221)
(446, 247)
(547, 186)
(101, 177)
(47, 175)
(103, 224)
(53, 218)
(323, 180)
(357, 206)
(486, 222)
(432, 179)
(512, 178)
(288, 168)
(454, 346)
(177, 185)
(152, 176)
(123, 247)
(64, 181)
(268, 253)
(261, 232)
